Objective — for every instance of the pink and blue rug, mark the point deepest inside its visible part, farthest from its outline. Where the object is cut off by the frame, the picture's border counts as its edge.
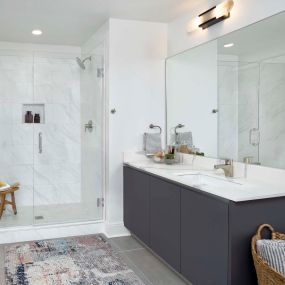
(88, 260)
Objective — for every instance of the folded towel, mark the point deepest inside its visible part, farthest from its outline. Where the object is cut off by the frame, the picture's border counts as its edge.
(5, 187)
(183, 138)
(273, 253)
(152, 143)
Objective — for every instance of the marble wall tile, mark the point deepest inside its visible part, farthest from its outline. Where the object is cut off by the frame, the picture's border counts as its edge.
(57, 83)
(272, 115)
(57, 173)
(248, 93)
(57, 154)
(25, 196)
(16, 82)
(17, 173)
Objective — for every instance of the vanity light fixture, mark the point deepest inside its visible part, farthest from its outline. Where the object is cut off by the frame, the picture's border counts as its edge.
(229, 45)
(37, 32)
(212, 16)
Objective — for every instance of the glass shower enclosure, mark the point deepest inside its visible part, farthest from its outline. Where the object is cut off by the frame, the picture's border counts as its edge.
(58, 157)
(252, 110)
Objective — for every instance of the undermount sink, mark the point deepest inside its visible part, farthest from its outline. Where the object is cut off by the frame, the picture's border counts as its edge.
(202, 180)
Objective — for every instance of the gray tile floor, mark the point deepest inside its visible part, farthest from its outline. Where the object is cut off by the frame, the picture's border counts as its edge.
(150, 269)
(147, 266)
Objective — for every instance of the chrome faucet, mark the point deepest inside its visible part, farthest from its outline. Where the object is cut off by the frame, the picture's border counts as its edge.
(228, 167)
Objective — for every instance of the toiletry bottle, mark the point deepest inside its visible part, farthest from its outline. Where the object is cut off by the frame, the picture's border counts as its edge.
(29, 118)
(37, 119)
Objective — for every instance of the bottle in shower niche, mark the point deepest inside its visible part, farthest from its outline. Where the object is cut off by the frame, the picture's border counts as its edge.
(29, 118)
(37, 119)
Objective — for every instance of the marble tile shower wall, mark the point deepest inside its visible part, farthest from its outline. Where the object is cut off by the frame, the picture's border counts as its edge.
(272, 114)
(248, 99)
(56, 173)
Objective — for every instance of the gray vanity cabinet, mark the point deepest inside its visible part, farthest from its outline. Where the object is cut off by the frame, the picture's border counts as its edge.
(136, 203)
(204, 238)
(165, 221)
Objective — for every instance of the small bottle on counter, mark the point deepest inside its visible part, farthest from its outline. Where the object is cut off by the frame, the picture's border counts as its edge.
(29, 118)
(37, 119)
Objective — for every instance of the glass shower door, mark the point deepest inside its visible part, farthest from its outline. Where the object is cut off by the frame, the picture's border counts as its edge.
(248, 111)
(68, 141)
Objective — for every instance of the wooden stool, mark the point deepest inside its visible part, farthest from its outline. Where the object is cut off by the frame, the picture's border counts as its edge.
(5, 202)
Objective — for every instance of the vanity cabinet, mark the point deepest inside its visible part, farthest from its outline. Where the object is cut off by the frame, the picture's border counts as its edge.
(136, 203)
(204, 237)
(165, 221)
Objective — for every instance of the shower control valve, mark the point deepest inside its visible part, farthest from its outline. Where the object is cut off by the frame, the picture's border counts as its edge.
(89, 126)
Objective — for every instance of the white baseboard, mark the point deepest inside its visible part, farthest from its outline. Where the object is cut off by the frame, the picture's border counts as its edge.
(115, 230)
(30, 233)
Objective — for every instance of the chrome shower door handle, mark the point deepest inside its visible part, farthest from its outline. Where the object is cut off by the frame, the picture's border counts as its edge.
(40, 142)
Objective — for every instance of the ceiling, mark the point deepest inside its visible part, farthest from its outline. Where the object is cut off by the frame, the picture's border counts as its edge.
(259, 41)
(72, 22)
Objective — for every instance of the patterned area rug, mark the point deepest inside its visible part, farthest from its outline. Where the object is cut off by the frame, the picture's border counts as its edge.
(87, 260)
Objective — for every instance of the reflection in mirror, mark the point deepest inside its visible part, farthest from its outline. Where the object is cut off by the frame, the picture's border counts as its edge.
(251, 80)
(230, 95)
(192, 97)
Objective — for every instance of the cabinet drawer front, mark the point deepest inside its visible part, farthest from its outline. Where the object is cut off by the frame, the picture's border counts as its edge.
(136, 203)
(204, 239)
(165, 221)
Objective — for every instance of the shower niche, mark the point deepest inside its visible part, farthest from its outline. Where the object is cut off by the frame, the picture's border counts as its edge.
(33, 113)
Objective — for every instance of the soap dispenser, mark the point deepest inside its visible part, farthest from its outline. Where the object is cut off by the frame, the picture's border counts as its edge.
(29, 118)
(37, 119)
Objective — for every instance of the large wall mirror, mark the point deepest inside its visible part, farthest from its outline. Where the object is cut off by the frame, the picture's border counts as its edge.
(229, 95)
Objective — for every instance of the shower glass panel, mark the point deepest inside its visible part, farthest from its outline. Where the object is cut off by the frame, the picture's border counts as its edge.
(238, 127)
(16, 137)
(248, 111)
(59, 159)
(68, 155)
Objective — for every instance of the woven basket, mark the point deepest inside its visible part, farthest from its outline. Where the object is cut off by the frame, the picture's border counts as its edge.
(266, 275)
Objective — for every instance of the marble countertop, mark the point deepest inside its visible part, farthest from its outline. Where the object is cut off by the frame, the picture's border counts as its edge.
(212, 181)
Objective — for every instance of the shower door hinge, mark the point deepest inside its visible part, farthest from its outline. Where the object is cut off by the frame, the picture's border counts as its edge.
(100, 202)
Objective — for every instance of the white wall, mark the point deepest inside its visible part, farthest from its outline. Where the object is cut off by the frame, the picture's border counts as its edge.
(244, 13)
(136, 90)
(192, 95)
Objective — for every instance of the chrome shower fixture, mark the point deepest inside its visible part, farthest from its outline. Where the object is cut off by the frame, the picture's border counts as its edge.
(81, 62)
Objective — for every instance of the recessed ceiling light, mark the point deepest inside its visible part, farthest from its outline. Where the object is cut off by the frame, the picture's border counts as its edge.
(229, 45)
(37, 32)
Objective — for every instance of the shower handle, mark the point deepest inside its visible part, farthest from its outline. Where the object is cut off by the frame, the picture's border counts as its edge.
(89, 126)
(40, 142)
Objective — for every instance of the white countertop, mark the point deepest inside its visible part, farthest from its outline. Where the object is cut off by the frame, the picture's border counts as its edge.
(212, 181)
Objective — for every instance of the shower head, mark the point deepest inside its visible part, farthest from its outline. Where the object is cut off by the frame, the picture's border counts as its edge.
(81, 62)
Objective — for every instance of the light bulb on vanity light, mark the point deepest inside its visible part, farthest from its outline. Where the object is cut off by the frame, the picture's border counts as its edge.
(211, 17)
(229, 45)
(37, 32)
